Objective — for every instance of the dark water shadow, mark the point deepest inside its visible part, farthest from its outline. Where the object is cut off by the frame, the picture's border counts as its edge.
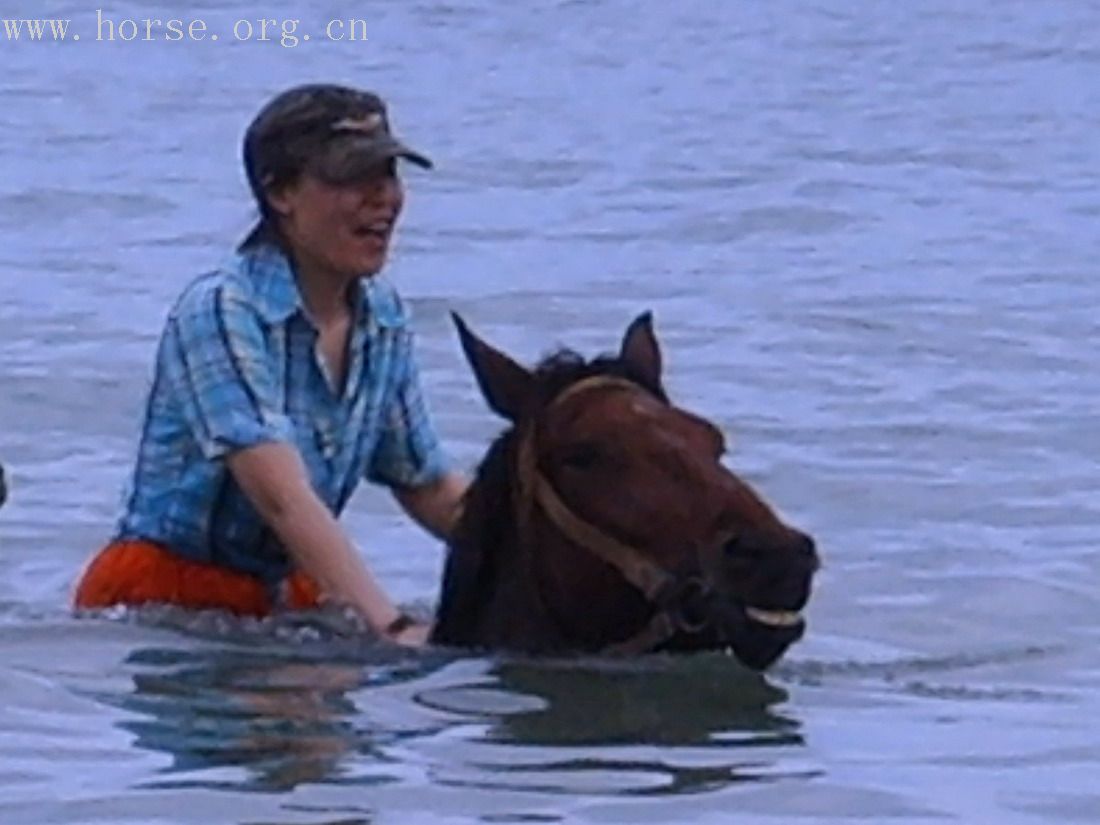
(262, 705)
(275, 721)
(654, 700)
(654, 726)
(269, 710)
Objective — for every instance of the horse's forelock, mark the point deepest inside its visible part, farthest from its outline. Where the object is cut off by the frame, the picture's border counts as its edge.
(565, 367)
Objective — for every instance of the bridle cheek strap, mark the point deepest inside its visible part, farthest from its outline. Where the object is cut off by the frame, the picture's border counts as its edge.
(660, 587)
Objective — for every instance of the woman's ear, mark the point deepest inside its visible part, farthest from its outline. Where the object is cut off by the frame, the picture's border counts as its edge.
(280, 199)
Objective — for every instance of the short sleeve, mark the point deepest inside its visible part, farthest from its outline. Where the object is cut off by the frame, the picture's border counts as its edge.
(408, 452)
(223, 373)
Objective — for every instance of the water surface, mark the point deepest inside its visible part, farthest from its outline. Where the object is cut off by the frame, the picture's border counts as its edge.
(869, 236)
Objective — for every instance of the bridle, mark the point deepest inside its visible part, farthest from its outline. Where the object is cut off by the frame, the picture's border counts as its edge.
(676, 598)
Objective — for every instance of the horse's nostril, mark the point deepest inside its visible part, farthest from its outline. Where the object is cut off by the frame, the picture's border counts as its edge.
(795, 547)
(806, 547)
(736, 546)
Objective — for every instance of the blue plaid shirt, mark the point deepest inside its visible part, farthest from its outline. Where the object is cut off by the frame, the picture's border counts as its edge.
(239, 364)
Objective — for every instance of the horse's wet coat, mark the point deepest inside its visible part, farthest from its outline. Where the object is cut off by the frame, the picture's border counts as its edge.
(626, 473)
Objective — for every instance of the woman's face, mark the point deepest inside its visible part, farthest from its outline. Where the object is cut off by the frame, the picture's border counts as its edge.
(345, 228)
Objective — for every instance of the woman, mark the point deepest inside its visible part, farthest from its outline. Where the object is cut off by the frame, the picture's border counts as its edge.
(282, 378)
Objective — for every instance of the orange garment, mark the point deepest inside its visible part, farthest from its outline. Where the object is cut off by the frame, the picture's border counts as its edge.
(141, 572)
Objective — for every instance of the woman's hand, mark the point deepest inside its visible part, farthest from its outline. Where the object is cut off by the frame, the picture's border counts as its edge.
(407, 631)
(413, 635)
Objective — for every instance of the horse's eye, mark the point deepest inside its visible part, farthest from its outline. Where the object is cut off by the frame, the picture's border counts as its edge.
(581, 456)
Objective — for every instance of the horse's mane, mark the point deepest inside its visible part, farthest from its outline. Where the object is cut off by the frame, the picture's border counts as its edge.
(487, 523)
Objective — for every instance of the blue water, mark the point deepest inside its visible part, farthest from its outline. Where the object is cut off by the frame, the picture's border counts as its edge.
(868, 232)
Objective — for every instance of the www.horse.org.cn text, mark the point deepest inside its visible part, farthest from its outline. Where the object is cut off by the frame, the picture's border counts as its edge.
(287, 32)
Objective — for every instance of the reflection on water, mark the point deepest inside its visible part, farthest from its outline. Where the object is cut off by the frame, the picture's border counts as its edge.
(231, 717)
(597, 726)
(655, 701)
(276, 721)
(283, 723)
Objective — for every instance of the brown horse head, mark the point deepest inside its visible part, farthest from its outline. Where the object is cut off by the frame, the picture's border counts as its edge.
(603, 519)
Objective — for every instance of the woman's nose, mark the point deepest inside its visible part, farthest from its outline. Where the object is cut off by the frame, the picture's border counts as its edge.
(383, 192)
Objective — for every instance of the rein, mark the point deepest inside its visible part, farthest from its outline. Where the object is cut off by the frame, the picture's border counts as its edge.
(671, 595)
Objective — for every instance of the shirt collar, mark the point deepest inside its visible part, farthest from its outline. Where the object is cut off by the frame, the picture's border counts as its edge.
(277, 298)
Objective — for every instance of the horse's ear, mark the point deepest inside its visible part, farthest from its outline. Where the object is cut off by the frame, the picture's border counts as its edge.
(640, 350)
(503, 382)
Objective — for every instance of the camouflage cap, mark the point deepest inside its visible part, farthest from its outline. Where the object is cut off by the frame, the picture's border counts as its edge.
(339, 134)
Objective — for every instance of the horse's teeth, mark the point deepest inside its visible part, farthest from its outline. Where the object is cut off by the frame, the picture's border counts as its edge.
(774, 618)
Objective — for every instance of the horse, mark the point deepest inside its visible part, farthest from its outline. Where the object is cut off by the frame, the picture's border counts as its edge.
(603, 520)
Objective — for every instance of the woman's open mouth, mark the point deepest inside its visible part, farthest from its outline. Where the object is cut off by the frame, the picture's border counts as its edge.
(376, 231)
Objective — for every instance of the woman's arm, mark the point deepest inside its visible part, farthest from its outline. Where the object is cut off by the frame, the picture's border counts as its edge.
(219, 365)
(274, 479)
(436, 506)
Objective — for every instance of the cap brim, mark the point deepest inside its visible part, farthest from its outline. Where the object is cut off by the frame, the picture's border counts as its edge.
(390, 147)
(402, 151)
(352, 160)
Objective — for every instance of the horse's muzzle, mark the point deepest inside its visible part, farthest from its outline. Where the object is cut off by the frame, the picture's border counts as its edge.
(753, 605)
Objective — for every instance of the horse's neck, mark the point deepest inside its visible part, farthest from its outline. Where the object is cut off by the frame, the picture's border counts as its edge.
(491, 598)
(497, 594)
(490, 595)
